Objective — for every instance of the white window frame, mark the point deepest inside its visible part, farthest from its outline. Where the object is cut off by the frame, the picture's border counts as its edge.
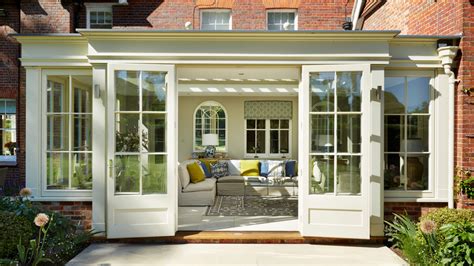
(75, 194)
(9, 160)
(215, 11)
(434, 150)
(98, 7)
(226, 147)
(295, 11)
(267, 129)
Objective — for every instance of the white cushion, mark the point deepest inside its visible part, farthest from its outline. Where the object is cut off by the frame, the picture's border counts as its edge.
(276, 168)
(207, 185)
(183, 173)
(234, 167)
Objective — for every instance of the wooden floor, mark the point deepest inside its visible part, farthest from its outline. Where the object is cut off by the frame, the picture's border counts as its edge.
(182, 237)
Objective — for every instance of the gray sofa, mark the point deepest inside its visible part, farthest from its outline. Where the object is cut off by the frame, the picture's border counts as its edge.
(203, 193)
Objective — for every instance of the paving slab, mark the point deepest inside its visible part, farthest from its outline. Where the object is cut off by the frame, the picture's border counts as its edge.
(234, 254)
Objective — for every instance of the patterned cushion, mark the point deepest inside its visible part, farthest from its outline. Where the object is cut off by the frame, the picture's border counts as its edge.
(276, 168)
(219, 169)
(291, 168)
(207, 173)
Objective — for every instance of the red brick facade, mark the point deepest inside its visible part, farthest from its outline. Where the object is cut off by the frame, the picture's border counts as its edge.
(444, 17)
(79, 212)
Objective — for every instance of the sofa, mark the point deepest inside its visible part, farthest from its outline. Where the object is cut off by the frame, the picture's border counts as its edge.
(203, 193)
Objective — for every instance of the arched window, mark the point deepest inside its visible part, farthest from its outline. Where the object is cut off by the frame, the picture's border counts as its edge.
(210, 118)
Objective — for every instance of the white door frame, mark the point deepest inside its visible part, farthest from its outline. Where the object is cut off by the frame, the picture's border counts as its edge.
(330, 215)
(135, 215)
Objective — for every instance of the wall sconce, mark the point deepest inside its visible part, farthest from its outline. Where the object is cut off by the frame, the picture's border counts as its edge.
(96, 91)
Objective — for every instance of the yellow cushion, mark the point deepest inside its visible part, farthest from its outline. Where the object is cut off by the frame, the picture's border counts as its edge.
(208, 162)
(196, 173)
(249, 168)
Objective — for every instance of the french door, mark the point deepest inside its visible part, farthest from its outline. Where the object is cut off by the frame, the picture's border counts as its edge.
(141, 149)
(333, 151)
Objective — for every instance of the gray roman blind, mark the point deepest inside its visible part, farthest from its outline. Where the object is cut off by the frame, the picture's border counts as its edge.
(268, 110)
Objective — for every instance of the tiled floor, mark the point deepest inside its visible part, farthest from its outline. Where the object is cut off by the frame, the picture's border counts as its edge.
(195, 219)
(235, 254)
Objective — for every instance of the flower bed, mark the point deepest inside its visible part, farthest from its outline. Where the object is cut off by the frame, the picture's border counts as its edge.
(32, 235)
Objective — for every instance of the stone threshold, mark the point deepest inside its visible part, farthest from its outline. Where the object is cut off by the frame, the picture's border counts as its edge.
(242, 237)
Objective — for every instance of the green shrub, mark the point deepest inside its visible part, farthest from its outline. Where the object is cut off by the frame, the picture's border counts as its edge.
(64, 239)
(444, 216)
(459, 244)
(12, 229)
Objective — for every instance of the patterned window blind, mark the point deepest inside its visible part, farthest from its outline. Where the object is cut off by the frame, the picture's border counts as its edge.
(268, 110)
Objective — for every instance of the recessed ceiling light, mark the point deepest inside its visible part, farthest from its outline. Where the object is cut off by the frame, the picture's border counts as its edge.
(282, 90)
(271, 80)
(184, 79)
(253, 80)
(264, 89)
(288, 80)
(230, 89)
(201, 79)
(194, 89)
(213, 89)
(247, 89)
(237, 79)
(218, 79)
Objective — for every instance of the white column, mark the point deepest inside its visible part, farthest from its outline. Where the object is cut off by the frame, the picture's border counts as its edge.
(376, 153)
(99, 147)
(33, 136)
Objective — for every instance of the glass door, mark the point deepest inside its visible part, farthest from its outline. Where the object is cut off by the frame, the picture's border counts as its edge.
(141, 151)
(334, 151)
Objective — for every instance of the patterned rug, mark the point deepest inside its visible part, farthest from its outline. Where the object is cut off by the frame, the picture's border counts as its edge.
(254, 206)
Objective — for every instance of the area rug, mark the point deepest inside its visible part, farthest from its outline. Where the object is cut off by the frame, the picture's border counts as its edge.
(254, 206)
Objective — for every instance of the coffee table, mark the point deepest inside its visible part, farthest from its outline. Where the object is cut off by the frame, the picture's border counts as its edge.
(269, 183)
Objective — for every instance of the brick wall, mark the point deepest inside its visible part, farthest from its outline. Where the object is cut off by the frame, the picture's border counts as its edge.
(79, 212)
(413, 209)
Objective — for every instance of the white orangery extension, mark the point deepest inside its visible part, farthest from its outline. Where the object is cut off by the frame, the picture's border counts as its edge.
(85, 92)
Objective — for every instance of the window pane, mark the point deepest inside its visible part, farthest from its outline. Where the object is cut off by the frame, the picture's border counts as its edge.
(154, 91)
(251, 141)
(273, 141)
(154, 133)
(322, 91)
(260, 124)
(284, 141)
(394, 95)
(221, 147)
(126, 89)
(126, 133)
(82, 133)
(82, 96)
(93, 17)
(8, 121)
(260, 148)
(349, 134)
(250, 123)
(82, 170)
(393, 172)
(348, 175)
(58, 132)
(108, 17)
(321, 174)
(285, 124)
(57, 170)
(127, 173)
(417, 172)
(100, 17)
(274, 124)
(8, 138)
(154, 174)
(394, 132)
(418, 95)
(417, 133)
(58, 94)
(322, 133)
(10, 107)
(348, 91)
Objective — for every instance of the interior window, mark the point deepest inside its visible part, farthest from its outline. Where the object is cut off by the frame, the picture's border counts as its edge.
(277, 131)
(210, 118)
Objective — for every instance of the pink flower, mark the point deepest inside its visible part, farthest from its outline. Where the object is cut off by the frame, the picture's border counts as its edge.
(427, 226)
(41, 219)
(25, 192)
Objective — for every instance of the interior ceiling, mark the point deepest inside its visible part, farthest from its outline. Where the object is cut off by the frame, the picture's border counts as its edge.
(238, 75)
(240, 80)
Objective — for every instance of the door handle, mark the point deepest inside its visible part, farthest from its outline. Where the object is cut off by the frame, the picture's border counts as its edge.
(111, 168)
